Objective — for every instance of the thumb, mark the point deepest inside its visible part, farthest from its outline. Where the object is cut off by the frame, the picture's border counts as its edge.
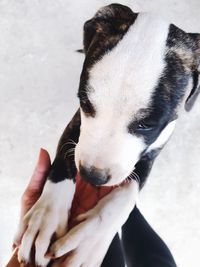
(36, 184)
(33, 191)
(41, 170)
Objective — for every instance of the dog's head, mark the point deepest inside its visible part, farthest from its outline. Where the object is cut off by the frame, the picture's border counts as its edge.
(138, 71)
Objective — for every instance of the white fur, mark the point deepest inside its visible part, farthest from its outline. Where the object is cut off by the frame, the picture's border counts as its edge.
(164, 136)
(120, 84)
(48, 216)
(100, 225)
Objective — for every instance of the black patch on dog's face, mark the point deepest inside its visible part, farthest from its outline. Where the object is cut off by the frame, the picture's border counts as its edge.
(180, 67)
(101, 34)
(171, 87)
(63, 165)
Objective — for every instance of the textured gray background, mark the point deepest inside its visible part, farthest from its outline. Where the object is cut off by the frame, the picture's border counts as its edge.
(39, 74)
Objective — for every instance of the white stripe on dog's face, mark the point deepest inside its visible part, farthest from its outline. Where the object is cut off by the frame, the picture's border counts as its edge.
(124, 79)
(120, 85)
(163, 137)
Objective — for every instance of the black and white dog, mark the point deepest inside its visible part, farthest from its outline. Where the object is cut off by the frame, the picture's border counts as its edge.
(138, 72)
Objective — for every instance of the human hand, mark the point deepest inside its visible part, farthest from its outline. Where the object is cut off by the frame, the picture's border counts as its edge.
(34, 188)
(86, 197)
(30, 196)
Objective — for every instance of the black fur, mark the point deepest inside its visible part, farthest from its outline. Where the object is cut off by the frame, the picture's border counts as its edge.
(63, 166)
(101, 34)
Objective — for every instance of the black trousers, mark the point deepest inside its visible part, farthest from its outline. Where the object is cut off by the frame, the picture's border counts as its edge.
(140, 246)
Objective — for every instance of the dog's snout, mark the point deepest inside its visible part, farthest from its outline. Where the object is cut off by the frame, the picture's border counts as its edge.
(94, 175)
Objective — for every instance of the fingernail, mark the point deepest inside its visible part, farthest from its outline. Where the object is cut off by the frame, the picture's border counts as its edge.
(39, 155)
(41, 151)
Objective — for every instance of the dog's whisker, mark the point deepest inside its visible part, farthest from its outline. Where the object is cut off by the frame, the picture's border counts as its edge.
(71, 149)
(70, 152)
(68, 155)
(72, 155)
(73, 141)
(68, 143)
(134, 176)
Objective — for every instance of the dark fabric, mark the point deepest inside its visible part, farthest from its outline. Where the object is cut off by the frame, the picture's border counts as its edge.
(114, 256)
(140, 244)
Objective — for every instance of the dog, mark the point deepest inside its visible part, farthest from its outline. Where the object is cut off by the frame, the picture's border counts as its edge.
(138, 74)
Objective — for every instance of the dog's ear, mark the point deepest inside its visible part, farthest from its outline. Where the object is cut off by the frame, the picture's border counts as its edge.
(110, 20)
(195, 38)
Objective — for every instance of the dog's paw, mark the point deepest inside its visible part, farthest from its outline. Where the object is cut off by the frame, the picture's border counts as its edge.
(96, 230)
(89, 236)
(47, 217)
(89, 253)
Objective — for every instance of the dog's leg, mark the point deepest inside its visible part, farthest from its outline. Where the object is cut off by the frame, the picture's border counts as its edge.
(97, 228)
(50, 213)
(101, 223)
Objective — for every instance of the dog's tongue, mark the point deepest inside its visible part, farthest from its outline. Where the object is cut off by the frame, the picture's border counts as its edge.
(86, 197)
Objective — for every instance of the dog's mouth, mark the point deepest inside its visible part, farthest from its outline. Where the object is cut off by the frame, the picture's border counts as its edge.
(94, 181)
(98, 177)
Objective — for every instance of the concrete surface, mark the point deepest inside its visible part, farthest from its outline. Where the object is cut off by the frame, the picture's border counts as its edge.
(39, 74)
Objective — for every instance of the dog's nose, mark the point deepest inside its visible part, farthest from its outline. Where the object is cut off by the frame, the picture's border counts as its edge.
(94, 175)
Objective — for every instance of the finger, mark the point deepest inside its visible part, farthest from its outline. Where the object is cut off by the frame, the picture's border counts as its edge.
(36, 184)
(39, 175)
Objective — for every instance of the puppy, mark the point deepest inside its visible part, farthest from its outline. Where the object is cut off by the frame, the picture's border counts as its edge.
(138, 72)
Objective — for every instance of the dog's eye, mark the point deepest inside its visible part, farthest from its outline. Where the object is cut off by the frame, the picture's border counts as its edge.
(143, 126)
